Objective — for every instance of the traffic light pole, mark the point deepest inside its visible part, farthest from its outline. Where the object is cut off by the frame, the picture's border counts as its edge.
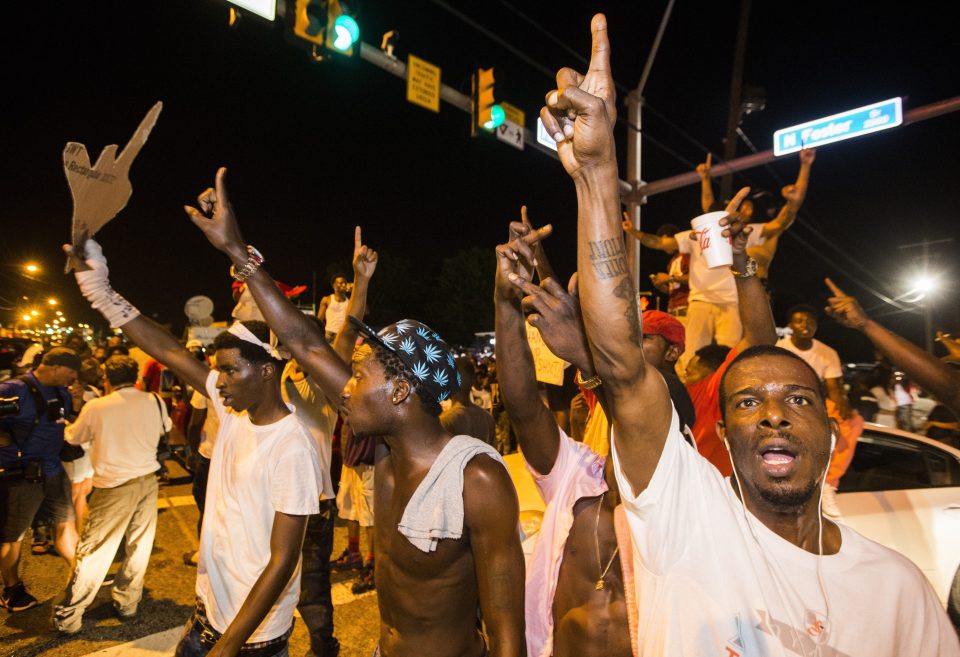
(764, 157)
(381, 60)
(635, 146)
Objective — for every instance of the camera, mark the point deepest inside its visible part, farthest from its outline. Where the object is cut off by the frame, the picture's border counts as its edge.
(9, 406)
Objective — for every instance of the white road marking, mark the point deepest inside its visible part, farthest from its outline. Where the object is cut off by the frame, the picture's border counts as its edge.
(176, 500)
(152, 645)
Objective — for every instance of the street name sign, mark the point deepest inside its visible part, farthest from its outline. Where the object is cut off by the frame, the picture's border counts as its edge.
(265, 8)
(543, 137)
(846, 125)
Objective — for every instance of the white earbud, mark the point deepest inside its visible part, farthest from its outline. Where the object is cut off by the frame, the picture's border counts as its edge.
(833, 442)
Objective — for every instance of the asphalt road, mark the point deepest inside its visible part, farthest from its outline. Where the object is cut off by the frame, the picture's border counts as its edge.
(168, 597)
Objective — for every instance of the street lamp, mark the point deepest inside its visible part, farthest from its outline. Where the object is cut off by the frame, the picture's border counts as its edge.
(52, 301)
(26, 317)
(31, 268)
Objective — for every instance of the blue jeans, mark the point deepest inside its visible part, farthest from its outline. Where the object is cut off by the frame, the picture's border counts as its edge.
(197, 642)
(316, 605)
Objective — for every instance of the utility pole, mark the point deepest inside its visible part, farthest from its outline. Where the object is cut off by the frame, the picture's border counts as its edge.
(634, 146)
(928, 283)
(736, 96)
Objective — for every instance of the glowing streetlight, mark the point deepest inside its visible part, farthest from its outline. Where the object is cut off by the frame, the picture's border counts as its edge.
(32, 268)
(59, 314)
(925, 283)
(26, 317)
(34, 313)
(52, 301)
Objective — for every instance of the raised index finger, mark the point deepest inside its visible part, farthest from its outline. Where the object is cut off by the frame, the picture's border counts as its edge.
(600, 50)
(837, 292)
(357, 239)
(221, 183)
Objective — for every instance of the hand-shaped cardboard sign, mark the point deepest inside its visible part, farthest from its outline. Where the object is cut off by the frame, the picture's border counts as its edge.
(100, 191)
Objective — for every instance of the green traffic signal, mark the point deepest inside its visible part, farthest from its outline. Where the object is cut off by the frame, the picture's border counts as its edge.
(346, 32)
(497, 117)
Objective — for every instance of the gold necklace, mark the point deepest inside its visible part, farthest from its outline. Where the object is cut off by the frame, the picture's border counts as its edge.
(596, 538)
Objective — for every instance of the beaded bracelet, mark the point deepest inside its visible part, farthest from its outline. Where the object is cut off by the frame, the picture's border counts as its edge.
(254, 260)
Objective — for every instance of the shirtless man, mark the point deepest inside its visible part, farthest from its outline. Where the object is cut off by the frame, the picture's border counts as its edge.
(428, 599)
(734, 566)
(569, 613)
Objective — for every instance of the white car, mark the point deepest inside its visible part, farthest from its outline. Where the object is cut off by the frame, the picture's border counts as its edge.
(901, 490)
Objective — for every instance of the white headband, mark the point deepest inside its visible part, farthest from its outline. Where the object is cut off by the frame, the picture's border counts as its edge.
(244, 334)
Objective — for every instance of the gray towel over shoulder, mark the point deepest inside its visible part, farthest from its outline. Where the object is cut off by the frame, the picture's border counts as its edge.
(435, 510)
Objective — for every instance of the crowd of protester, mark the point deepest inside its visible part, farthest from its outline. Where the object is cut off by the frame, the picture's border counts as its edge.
(688, 462)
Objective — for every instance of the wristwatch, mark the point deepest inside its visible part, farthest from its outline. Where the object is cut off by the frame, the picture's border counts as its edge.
(749, 271)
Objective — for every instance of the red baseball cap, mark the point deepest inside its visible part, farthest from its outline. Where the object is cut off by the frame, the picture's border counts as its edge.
(657, 322)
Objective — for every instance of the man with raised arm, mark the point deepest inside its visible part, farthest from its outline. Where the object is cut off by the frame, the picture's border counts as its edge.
(725, 566)
(264, 478)
(930, 373)
(319, 414)
(793, 195)
(712, 314)
(447, 513)
(576, 602)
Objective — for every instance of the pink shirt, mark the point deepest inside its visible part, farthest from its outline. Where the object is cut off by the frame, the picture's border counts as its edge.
(577, 473)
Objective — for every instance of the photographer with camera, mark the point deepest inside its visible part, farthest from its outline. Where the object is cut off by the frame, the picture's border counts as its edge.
(32, 478)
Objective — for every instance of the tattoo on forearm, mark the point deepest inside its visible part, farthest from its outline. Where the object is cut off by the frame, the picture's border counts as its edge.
(625, 291)
(608, 257)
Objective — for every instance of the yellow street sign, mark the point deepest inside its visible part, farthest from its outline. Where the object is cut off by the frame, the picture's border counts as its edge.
(423, 83)
(514, 114)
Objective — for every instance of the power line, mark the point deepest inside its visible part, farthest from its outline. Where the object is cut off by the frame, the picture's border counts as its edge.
(549, 73)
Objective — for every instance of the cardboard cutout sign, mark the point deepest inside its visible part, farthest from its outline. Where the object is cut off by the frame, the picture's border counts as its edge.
(100, 191)
(549, 368)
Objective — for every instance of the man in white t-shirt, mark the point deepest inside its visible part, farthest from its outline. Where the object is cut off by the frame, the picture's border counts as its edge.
(447, 514)
(264, 479)
(319, 415)
(802, 320)
(122, 430)
(744, 565)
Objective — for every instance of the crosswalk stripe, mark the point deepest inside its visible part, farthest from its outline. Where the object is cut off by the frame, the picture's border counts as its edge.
(176, 500)
(152, 645)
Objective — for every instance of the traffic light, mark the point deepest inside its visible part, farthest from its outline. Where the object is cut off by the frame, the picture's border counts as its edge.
(326, 23)
(344, 31)
(310, 20)
(487, 114)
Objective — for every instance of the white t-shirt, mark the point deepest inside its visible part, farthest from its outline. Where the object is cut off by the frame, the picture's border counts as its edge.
(316, 413)
(123, 429)
(211, 424)
(712, 285)
(336, 314)
(256, 470)
(824, 360)
(705, 587)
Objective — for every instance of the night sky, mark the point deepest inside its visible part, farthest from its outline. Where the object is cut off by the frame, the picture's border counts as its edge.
(314, 149)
